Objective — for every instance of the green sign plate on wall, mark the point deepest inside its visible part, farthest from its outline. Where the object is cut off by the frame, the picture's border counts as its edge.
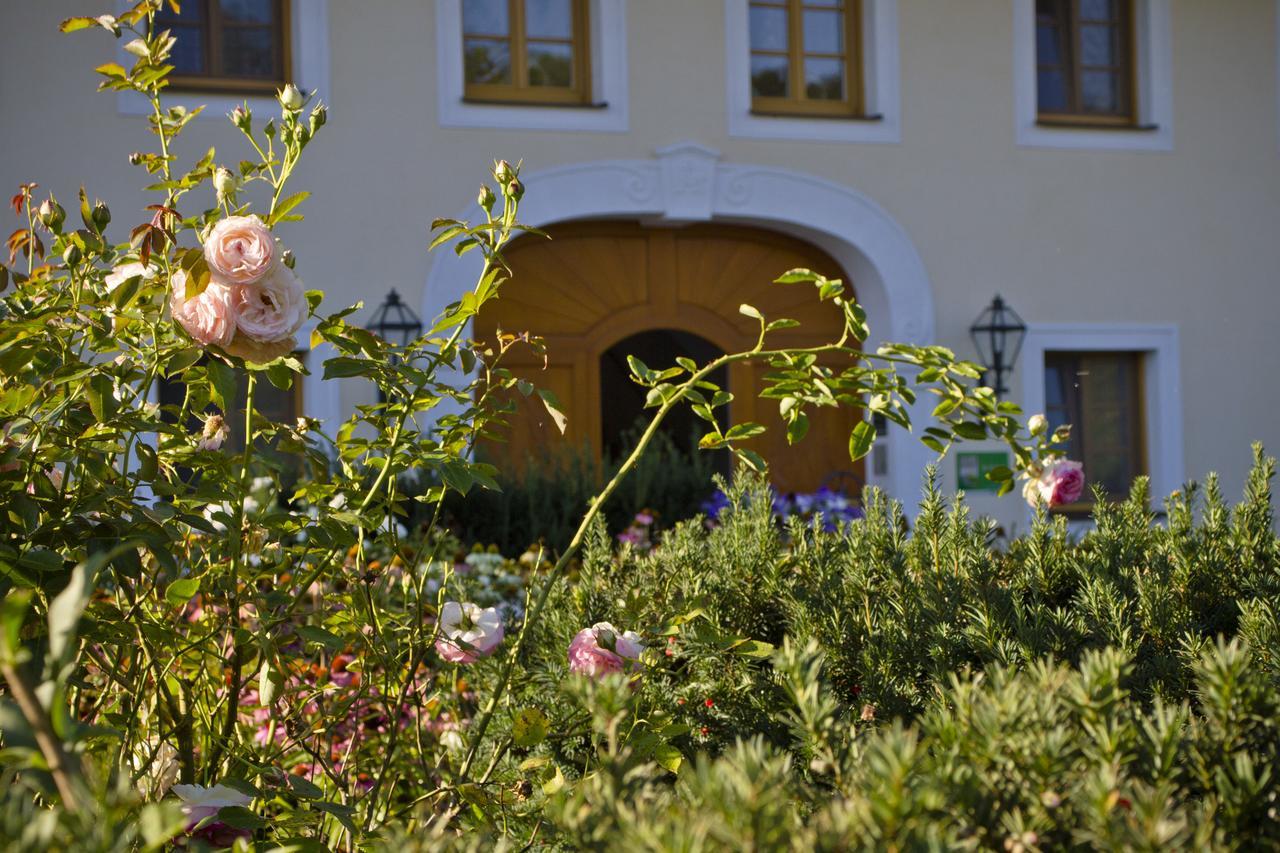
(972, 468)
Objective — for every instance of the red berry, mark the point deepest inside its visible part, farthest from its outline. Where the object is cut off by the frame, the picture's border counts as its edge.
(679, 701)
(705, 731)
(709, 703)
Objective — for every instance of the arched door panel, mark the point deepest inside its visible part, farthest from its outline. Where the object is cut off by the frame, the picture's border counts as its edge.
(597, 283)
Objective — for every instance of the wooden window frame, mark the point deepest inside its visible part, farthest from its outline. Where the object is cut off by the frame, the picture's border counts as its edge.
(212, 82)
(1070, 51)
(1086, 504)
(519, 91)
(796, 104)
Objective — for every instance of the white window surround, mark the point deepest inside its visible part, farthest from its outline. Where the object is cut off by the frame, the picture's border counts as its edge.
(1161, 379)
(879, 73)
(1153, 67)
(309, 47)
(609, 86)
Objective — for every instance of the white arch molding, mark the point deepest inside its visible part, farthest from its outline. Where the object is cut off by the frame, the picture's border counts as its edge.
(687, 183)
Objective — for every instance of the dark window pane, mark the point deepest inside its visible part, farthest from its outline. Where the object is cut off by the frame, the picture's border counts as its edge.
(824, 79)
(1053, 394)
(188, 50)
(768, 28)
(248, 52)
(1096, 10)
(1095, 45)
(769, 76)
(1051, 90)
(485, 16)
(550, 64)
(487, 61)
(823, 32)
(1098, 92)
(837, 4)
(548, 19)
(248, 11)
(1047, 52)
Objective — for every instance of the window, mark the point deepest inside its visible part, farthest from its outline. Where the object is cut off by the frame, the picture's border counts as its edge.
(1100, 394)
(237, 46)
(526, 51)
(1084, 61)
(805, 57)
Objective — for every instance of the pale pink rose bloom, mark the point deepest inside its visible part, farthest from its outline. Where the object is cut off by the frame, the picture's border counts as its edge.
(124, 272)
(603, 649)
(209, 318)
(1060, 482)
(199, 802)
(273, 309)
(468, 632)
(240, 250)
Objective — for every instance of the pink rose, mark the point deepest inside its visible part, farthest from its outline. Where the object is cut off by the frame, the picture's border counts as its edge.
(209, 318)
(273, 309)
(602, 649)
(240, 250)
(1060, 482)
(468, 632)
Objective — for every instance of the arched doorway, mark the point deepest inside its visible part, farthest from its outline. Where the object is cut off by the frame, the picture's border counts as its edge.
(595, 284)
(622, 400)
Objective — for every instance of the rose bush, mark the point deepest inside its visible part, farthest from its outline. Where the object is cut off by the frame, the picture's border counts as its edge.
(282, 627)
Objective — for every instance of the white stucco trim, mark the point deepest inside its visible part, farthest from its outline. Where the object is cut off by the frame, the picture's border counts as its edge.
(310, 51)
(1162, 383)
(880, 77)
(609, 82)
(688, 182)
(1153, 65)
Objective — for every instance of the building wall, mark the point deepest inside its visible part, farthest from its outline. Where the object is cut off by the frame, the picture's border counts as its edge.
(1184, 237)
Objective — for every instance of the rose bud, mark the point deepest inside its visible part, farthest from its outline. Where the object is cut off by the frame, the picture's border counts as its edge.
(290, 98)
(515, 189)
(241, 117)
(71, 255)
(485, 199)
(503, 172)
(319, 116)
(224, 182)
(100, 216)
(1037, 424)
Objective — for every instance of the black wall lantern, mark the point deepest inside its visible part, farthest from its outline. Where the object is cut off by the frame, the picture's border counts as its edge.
(394, 322)
(998, 333)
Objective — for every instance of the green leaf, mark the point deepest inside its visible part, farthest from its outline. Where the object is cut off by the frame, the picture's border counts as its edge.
(861, 439)
(283, 207)
(668, 757)
(529, 727)
(796, 276)
(66, 609)
(749, 311)
(970, 430)
(798, 428)
(303, 788)
(457, 476)
(314, 634)
(641, 371)
(13, 611)
(238, 817)
(181, 591)
(224, 383)
(753, 460)
(70, 25)
(999, 474)
(554, 408)
(740, 432)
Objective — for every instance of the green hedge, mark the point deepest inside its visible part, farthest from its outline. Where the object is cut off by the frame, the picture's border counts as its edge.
(912, 686)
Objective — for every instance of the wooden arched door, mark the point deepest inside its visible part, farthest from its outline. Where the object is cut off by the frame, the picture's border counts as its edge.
(596, 283)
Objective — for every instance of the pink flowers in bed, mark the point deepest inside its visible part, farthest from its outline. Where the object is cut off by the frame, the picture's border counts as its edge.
(602, 650)
(253, 304)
